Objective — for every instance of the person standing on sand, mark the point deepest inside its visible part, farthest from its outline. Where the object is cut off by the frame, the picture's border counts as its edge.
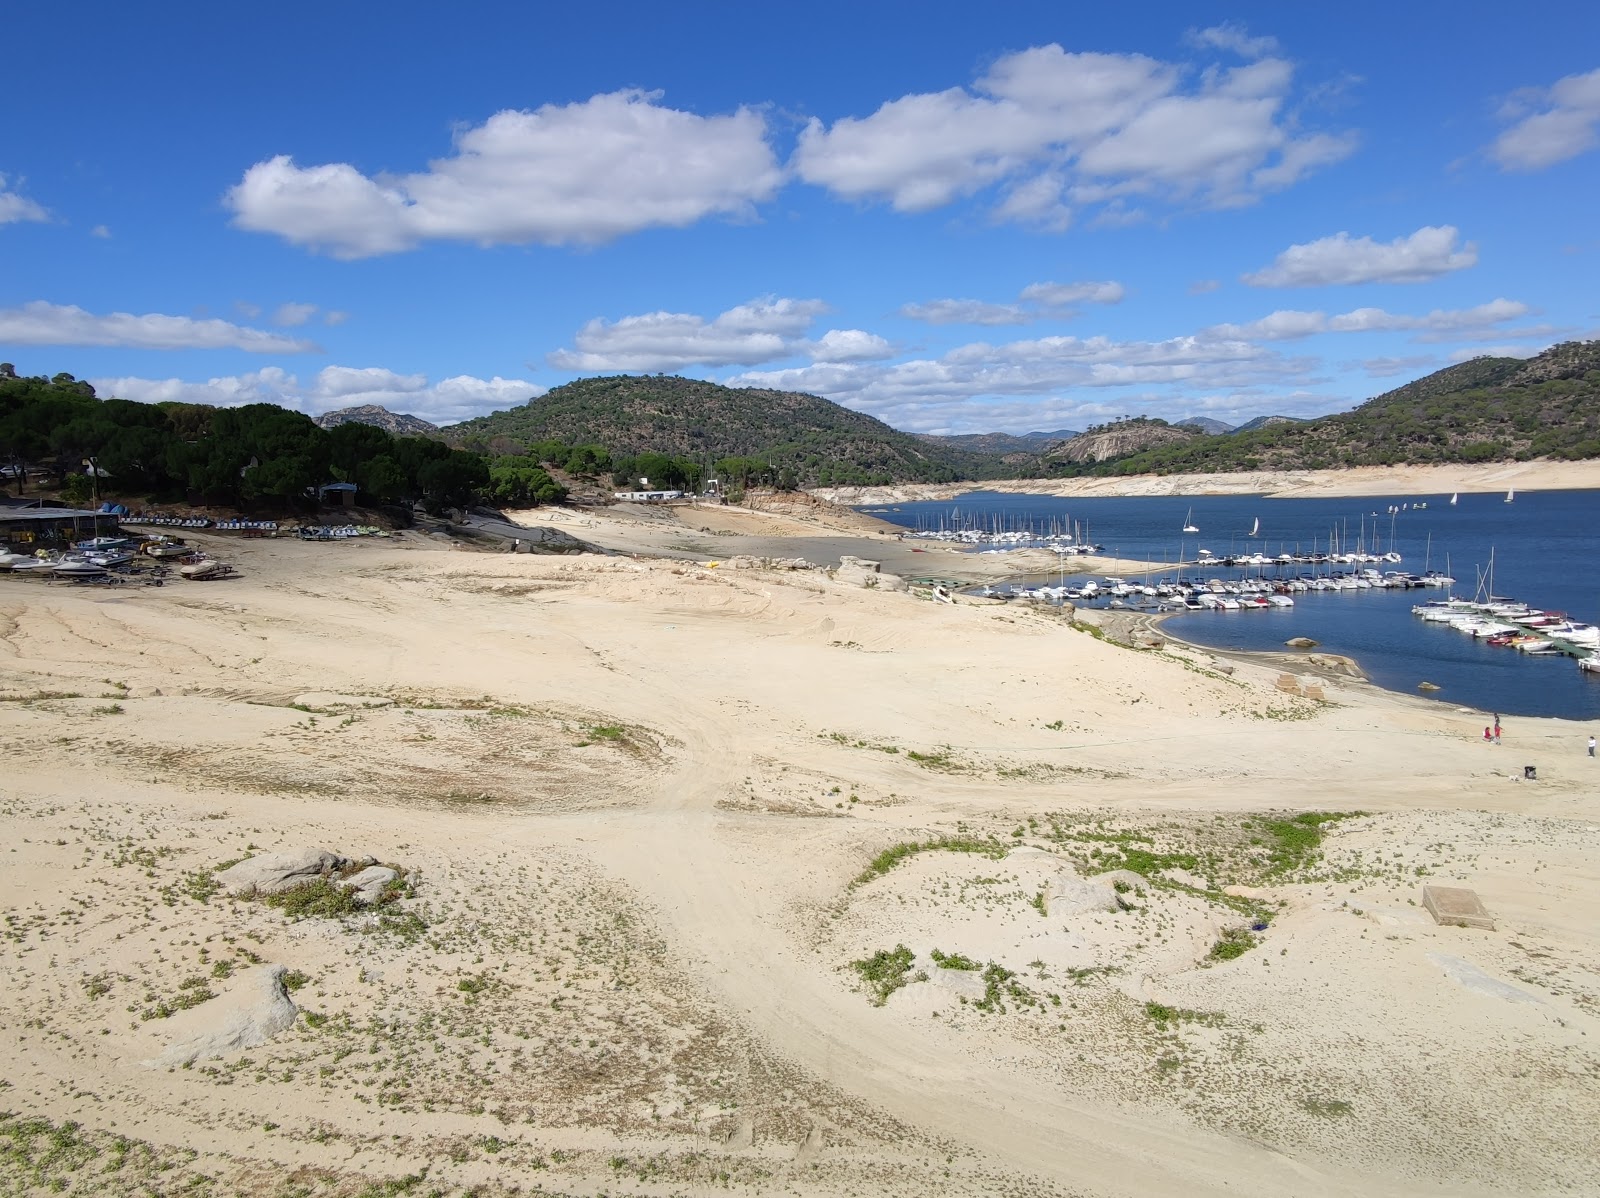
(1496, 729)
(1591, 746)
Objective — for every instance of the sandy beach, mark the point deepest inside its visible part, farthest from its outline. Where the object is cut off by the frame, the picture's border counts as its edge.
(1278, 484)
(760, 880)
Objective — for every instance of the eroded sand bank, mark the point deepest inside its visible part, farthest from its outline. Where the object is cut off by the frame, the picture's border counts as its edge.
(647, 802)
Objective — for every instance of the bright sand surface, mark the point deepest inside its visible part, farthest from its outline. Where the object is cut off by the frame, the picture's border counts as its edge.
(1282, 484)
(643, 796)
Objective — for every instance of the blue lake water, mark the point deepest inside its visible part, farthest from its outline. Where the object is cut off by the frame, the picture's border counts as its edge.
(1545, 549)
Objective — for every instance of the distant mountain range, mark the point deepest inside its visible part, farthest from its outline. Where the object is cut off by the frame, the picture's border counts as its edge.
(396, 424)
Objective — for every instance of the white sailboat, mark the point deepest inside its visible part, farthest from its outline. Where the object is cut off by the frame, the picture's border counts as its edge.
(1510, 495)
(1453, 498)
(1255, 529)
(1188, 522)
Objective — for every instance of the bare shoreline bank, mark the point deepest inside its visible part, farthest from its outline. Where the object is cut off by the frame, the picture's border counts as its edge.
(1276, 484)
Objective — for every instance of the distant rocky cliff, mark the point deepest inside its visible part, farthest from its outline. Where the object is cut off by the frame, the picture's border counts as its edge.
(396, 424)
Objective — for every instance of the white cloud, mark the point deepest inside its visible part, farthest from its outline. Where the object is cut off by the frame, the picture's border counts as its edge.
(763, 330)
(1383, 368)
(43, 323)
(1204, 286)
(1495, 351)
(953, 390)
(966, 311)
(1060, 295)
(1563, 126)
(849, 345)
(1036, 301)
(1440, 324)
(1058, 129)
(293, 315)
(444, 402)
(246, 309)
(334, 317)
(582, 173)
(1231, 35)
(14, 206)
(101, 231)
(1341, 259)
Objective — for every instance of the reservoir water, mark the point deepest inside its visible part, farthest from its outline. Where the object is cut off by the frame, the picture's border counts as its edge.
(1545, 549)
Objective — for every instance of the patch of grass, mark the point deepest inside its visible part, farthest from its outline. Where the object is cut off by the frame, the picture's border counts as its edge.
(1038, 904)
(294, 980)
(108, 709)
(999, 984)
(1165, 1017)
(1326, 1108)
(940, 759)
(318, 898)
(891, 857)
(222, 969)
(97, 986)
(953, 961)
(885, 971)
(1234, 942)
(192, 991)
(1297, 841)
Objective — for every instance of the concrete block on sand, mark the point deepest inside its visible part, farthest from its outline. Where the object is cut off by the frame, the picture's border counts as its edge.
(253, 1011)
(1457, 906)
(273, 873)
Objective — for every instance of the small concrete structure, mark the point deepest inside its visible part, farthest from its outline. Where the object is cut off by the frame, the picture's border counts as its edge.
(1456, 906)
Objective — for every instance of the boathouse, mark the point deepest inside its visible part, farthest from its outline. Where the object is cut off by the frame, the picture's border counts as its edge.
(25, 529)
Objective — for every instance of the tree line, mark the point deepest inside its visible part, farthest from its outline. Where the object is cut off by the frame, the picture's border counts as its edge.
(257, 455)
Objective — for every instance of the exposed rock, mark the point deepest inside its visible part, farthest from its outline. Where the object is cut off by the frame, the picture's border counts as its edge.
(1334, 663)
(145, 692)
(371, 882)
(1429, 686)
(1119, 440)
(1301, 642)
(744, 561)
(1069, 895)
(1143, 638)
(860, 571)
(548, 539)
(398, 424)
(963, 983)
(254, 1010)
(273, 873)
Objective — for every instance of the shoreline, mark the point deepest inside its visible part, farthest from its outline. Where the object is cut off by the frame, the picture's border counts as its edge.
(1274, 484)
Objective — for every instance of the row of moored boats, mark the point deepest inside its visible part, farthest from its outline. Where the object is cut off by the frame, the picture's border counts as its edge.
(1515, 625)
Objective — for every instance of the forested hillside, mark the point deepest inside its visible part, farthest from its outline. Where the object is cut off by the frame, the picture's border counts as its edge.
(812, 440)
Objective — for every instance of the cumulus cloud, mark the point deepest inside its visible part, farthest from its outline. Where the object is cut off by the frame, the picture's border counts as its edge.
(1550, 125)
(14, 206)
(763, 330)
(1494, 351)
(1036, 300)
(43, 323)
(1431, 251)
(1231, 35)
(1288, 324)
(293, 315)
(101, 231)
(1059, 130)
(334, 317)
(445, 402)
(581, 173)
(849, 345)
(932, 393)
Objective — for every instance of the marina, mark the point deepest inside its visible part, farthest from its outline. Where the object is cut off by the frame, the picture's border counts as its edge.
(1355, 575)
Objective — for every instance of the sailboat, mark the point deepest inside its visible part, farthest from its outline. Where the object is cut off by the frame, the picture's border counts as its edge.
(1188, 522)
(1454, 497)
(1255, 529)
(1510, 495)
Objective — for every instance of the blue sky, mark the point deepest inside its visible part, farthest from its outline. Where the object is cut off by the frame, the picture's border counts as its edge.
(956, 219)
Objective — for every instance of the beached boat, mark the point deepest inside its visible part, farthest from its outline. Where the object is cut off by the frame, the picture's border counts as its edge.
(203, 571)
(77, 568)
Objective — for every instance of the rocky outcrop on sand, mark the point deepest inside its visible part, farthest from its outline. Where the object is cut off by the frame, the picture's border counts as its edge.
(863, 572)
(254, 1010)
(273, 873)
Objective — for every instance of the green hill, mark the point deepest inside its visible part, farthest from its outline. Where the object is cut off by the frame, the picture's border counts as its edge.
(1483, 410)
(820, 441)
